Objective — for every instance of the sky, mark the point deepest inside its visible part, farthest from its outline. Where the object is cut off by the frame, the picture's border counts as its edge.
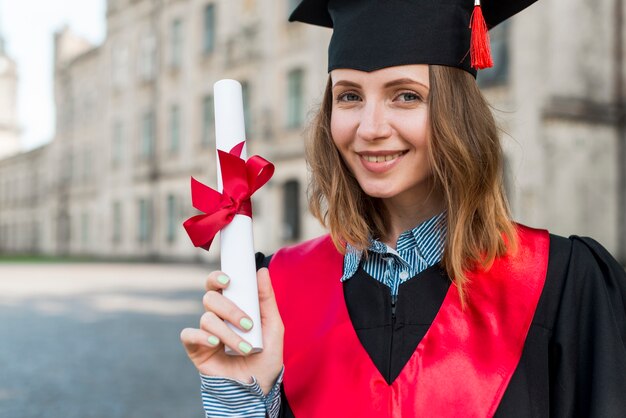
(28, 27)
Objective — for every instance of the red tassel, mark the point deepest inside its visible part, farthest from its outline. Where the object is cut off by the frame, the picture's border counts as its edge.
(480, 52)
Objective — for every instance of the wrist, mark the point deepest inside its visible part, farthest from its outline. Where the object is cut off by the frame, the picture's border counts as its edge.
(267, 386)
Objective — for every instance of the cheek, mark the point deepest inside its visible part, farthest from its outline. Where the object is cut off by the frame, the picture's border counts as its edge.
(341, 130)
(342, 138)
(416, 129)
(335, 130)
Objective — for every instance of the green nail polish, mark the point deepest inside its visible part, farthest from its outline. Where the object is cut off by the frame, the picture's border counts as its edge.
(213, 340)
(223, 279)
(245, 324)
(245, 347)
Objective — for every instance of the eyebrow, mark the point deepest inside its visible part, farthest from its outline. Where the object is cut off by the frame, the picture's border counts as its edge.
(392, 83)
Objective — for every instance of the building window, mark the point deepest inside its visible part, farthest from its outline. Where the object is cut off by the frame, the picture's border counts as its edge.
(87, 165)
(70, 167)
(145, 221)
(148, 58)
(119, 68)
(295, 98)
(117, 222)
(35, 244)
(64, 169)
(208, 42)
(208, 122)
(117, 150)
(499, 73)
(172, 219)
(176, 44)
(147, 135)
(84, 227)
(174, 128)
(247, 116)
(291, 210)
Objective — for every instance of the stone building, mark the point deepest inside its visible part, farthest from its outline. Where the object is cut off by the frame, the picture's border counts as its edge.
(560, 101)
(9, 129)
(162, 59)
(135, 121)
(22, 202)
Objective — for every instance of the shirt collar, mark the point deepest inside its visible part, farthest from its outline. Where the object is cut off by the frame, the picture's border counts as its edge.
(428, 237)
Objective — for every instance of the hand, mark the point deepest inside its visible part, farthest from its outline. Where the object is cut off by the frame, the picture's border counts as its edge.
(205, 346)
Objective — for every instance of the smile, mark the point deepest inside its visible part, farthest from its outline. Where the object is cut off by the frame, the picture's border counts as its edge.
(378, 158)
(380, 162)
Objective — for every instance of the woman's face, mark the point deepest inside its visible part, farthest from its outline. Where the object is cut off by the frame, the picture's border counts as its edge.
(380, 125)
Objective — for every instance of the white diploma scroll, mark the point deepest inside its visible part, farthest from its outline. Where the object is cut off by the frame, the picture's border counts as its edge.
(236, 240)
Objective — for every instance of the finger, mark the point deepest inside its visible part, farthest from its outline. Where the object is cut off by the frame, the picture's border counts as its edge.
(194, 339)
(214, 325)
(227, 310)
(217, 280)
(270, 316)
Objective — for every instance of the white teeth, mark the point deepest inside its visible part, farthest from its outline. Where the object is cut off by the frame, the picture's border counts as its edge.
(381, 158)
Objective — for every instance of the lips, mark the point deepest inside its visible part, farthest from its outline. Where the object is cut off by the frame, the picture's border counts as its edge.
(380, 161)
(381, 158)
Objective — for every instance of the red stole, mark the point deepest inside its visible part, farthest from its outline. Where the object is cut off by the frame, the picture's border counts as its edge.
(461, 367)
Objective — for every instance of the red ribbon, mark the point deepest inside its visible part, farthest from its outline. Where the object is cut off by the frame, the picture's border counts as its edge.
(240, 179)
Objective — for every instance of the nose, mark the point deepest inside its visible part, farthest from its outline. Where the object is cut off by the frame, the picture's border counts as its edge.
(374, 124)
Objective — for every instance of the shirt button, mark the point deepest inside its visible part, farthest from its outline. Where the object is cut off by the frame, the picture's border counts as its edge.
(404, 275)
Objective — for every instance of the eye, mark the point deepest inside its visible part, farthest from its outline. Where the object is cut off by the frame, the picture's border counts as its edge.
(348, 96)
(409, 96)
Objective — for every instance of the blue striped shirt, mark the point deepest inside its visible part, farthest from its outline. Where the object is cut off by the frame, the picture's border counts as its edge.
(224, 397)
(416, 250)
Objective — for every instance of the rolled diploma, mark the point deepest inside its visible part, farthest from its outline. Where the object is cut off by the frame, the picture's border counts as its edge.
(236, 240)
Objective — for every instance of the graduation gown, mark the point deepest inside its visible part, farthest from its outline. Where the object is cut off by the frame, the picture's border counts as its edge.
(573, 361)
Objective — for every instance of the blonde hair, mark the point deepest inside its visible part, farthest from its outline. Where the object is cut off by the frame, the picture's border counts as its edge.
(466, 160)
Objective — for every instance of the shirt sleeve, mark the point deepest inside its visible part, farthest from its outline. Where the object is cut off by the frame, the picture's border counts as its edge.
(225, 397)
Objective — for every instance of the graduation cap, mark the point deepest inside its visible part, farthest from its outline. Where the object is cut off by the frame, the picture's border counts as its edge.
(373, 34)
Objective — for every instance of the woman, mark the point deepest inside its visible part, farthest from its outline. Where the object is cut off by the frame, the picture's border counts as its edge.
(426, 298)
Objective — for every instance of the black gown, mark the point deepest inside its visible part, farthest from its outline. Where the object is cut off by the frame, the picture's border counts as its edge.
(574, 358)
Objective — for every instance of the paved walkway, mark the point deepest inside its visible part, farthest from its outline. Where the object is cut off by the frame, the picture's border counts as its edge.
(91, 340)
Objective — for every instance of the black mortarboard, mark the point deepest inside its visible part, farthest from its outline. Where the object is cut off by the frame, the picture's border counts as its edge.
(373, 34)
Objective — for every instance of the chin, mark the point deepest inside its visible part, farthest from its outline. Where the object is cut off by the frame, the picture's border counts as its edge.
(379, 193)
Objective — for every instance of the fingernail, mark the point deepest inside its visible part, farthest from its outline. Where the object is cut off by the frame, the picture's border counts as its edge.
(245, 324)
(223, 279)
(245, 347)
(213, 340)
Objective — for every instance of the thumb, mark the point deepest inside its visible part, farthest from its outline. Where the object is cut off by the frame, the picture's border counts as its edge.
(270, 316)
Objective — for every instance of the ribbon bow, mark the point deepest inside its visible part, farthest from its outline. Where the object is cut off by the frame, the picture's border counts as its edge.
(240, 179)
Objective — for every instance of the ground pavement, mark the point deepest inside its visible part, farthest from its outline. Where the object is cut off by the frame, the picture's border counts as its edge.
(96, 340)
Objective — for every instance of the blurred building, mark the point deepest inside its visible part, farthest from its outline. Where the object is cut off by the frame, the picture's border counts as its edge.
(135, 121)
(9, 130)
(558, 93)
